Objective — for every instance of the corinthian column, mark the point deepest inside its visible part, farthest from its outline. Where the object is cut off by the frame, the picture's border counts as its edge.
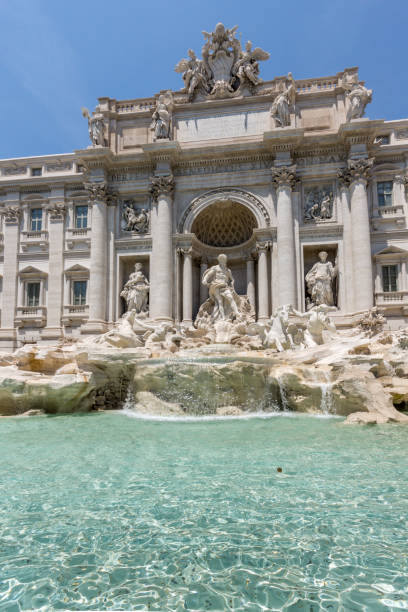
(356, 176)
(97, 294)
(250, 280)
(283, 177)
(188, 287)
(263, 301)
(161, 268)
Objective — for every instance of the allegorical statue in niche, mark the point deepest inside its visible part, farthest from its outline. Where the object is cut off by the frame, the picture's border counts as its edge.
(280, 110)
(221, 290)
(95, 126)
(161, 118)
(136, 291)
(319, 281)
(195, 75)
(136, 220)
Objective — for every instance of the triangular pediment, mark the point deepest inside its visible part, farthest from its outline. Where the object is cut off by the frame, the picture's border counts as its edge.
(392, 250)
(31, 270)
(77, 268)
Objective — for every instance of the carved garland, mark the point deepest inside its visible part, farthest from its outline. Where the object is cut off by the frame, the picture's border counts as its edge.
(224, 195)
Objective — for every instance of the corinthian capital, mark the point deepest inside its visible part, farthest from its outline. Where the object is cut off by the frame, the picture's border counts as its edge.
(284, 176)
(357, 169)
(11, 213)
(161, 184)
(97, 191)
(56, 211)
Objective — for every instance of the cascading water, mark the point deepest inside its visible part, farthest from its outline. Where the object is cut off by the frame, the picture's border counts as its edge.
(326, 404)
(282, 392)
(202, 386)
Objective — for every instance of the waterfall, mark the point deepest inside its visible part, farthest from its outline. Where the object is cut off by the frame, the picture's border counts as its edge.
(129, 399)
(326, 404)
(283, 396)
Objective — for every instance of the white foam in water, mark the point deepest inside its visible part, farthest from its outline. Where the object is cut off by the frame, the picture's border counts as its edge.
(213, 417)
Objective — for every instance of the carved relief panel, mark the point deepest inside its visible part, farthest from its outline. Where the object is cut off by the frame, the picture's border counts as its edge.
(135, 217)
(318, 203)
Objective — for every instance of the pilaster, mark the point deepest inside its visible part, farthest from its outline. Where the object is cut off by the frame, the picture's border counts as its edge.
(11, 221)
(56, 217)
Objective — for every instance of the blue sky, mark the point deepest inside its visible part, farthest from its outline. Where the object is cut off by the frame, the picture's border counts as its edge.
(57, 56)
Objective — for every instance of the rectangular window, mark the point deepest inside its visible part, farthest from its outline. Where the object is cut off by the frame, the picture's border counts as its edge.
(36, 171)
(384, 191)
(384, 139)
(81, 217)
(389, 277)
(33, 294)
(79, 292)
(36, 219)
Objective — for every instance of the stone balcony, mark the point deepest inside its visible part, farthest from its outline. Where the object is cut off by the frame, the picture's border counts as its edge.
(31, 316)
(35, 240)
(75, 314)
(78, 236)
(393, 300)
(387, 214)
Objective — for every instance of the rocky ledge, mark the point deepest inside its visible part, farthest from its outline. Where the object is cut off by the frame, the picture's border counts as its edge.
(364, 379)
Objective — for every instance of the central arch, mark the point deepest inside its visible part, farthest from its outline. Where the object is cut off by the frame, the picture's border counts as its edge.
(224, 224)
(220, 196)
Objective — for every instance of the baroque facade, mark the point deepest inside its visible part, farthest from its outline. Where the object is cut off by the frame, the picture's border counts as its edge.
(279, 175)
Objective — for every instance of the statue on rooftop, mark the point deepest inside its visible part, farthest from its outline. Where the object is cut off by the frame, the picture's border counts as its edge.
(95, 126)
(195, 75)
(225, 69)
(247, 67)
(161, 118)
(357, 95)
(284, 102)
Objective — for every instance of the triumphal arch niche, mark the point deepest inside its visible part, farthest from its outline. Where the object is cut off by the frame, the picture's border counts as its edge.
(304, 194)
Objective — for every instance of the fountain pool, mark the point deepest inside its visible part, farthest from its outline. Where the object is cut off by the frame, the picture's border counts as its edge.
(110, 512)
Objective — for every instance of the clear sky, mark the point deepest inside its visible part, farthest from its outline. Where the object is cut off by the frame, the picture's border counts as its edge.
(57, 56)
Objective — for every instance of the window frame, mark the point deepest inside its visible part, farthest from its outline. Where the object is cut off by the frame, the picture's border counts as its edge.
(79, 280)
(384, 194)
(26, 293)
(389, 280)
(36, 221)
(76, 217)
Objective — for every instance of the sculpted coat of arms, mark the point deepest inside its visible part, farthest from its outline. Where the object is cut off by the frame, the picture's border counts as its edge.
(225, 68)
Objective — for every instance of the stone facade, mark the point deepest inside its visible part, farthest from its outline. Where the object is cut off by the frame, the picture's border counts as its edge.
(270, 173)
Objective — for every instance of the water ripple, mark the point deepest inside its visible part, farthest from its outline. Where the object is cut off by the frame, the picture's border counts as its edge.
(109, 513)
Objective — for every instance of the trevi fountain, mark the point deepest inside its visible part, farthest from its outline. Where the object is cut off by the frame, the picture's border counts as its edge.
(219, 291)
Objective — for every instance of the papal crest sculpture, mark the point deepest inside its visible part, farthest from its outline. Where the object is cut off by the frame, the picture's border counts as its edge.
(225, 68)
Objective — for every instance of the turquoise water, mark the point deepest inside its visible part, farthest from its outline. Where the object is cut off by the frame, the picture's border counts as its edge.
(108, 512)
